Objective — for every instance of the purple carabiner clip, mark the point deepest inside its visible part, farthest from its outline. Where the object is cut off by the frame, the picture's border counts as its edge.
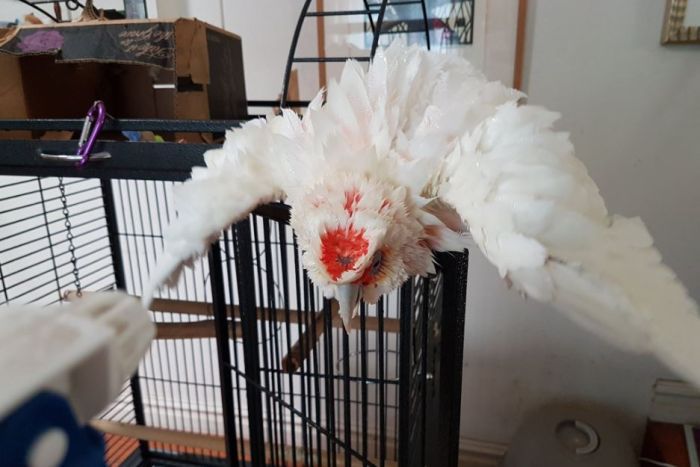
(94, 121)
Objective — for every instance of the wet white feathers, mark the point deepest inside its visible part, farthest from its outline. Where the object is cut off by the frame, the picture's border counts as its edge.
(435, 128)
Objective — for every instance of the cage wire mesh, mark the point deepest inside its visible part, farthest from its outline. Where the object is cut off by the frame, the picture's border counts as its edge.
(35, 253)
(291, 388)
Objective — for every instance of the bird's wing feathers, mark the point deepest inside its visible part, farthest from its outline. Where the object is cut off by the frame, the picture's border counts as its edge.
(402, 116)
(536, 214)
(425, 103)
(436, 126)
(246, 172)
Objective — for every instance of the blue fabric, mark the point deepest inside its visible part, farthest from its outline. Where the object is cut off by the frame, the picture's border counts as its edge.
(43, 412)
(132, 136)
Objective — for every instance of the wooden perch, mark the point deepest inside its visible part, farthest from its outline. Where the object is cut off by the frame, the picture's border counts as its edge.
(195, 440)
(298, 353)
(302, 348)
(167, 305)
(161, 435)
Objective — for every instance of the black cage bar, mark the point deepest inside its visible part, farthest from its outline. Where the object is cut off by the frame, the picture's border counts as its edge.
(251, 365)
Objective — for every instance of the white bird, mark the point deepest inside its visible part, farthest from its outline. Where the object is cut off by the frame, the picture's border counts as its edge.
(402, 160)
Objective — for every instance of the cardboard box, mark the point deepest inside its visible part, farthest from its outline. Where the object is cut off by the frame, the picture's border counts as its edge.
(179, 69)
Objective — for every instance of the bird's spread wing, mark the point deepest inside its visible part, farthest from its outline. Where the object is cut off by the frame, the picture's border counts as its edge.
(536, 214)
(241, 175)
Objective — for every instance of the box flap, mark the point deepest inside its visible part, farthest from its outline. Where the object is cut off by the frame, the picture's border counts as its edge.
(136, 42)
(191, 50)
(11, 90)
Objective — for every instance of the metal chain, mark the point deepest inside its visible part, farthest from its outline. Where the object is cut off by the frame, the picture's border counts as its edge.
(69, 237)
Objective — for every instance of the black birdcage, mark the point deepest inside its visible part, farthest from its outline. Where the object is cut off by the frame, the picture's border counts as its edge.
(250, 365)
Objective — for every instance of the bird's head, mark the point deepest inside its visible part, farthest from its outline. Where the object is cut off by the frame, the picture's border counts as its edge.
(361, 237)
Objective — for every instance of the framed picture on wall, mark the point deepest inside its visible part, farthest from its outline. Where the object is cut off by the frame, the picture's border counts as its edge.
(450, 23)
(485, 32)
(681, 22)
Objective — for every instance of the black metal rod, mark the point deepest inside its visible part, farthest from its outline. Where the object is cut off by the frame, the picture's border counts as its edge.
(222, 349)
(282, 236)
(314, 383)
(312, 14)
(272, 322)
(48, 239)
(455, 269)
(262, 336)
(41, 10)
(404, 2)
(120, 282)
(159, 161)
(363, 375)
(230, 241)
(347, 427)
(369, 15)
(263, 103)
(382, 376)
(292, 51)
(329, 59)
(125, 124)
(425, 23)
(423, 375)
(306, 438)
(329, 389)
(378, 30)
(405, 353)
(4, 287)
(246, 297)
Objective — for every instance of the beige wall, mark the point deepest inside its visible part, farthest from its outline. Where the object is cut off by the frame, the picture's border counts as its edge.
(633, 110)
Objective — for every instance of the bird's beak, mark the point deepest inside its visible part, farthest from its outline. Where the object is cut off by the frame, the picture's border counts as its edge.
(348, 296)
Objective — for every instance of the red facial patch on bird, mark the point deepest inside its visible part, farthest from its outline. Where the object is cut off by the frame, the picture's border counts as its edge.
(341, 249)
(351, 199)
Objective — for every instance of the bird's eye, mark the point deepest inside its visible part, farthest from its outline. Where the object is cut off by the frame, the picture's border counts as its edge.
(376, 263)
(371, 272)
